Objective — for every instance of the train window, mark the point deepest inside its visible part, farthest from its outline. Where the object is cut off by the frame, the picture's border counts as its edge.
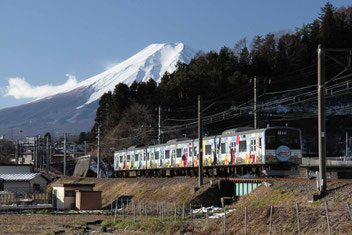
(121, 158)
(223, 148)
(128, 158)
(185, 151)
(144, 156)
(148, 154)
(195, 151)
(275, 138)
(178, 153)
(156, 155)
(167, 154)
(260, 142)
(242, 146)
(136, 156)
(233, 146)
(208, 149)
(253, 145)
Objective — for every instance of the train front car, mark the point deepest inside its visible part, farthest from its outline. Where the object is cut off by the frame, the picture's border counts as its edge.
(283, 151)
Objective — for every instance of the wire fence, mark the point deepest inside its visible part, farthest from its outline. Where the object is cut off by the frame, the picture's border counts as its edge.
(135, 210)
(14, 199)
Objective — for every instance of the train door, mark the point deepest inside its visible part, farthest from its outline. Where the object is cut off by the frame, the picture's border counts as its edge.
(136, 160)
(144, 159)
(252, 150)
(162, 156)
(185, 157)
(173, 157)
(195, 154)
(233, 152)
(223, 152)
(179, 156)
(259, 149)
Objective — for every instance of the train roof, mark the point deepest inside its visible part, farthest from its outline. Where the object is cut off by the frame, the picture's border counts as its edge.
(230, 132)
(173, 141)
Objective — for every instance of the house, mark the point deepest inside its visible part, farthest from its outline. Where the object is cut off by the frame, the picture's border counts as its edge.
(20, 179)
(68, 196)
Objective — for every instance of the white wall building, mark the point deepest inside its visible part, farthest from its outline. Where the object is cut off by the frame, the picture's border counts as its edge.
(20, 179)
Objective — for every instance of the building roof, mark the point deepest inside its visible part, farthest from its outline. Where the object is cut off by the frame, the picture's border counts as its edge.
(72, 185)
(19, 177)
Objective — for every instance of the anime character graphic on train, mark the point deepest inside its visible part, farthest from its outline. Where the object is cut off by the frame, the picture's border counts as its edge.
(272, 150)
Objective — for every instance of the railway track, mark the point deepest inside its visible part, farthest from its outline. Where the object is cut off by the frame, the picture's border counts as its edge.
(234, 179)
(346, 181)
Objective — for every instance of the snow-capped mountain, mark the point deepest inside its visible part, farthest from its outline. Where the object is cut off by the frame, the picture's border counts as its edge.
(74, 110)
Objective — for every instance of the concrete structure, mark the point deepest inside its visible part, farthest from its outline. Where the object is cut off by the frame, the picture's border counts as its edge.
(337, 168)
(88, 200)
(82, 167)
(65, 196)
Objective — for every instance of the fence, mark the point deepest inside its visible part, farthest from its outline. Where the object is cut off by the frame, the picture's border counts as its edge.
(168, 212)
(26, 198)
(164, 210)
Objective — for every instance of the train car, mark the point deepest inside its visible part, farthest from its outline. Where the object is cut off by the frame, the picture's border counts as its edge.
(270, 151)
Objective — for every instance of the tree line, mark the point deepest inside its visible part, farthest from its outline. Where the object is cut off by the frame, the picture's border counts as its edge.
(128, 115)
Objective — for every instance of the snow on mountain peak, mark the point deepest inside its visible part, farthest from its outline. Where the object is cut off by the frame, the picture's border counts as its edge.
(151, 62)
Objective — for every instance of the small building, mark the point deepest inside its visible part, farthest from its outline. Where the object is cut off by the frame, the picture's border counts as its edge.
(88, 200)
(76, 196)
(23, 183)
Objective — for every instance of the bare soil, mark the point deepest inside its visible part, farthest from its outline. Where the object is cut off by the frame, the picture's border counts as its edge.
(46, 223)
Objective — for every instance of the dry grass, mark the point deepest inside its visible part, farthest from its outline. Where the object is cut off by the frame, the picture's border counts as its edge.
(175, 190)
(45, 223)
(283, 196)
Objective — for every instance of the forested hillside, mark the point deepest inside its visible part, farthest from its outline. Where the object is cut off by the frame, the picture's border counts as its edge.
(281, 61)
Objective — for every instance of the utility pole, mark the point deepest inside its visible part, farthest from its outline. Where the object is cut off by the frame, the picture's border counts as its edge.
(346, 154)
(200, 143)
(65, 154)
(16, 151)
(159, 125)
(47, 154)
(36, 151)
(85, 147)
(255, 101)
(321, 120)
(98, 157)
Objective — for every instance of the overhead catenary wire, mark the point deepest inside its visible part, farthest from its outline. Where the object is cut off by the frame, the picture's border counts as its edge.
(225, 115)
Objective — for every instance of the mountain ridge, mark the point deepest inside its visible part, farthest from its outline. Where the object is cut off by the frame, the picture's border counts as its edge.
(74, 110)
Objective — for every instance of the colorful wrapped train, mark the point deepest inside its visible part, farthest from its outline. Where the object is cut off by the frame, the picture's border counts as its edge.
(275, 151)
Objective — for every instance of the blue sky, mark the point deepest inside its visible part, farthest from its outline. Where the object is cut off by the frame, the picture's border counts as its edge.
(52, 43)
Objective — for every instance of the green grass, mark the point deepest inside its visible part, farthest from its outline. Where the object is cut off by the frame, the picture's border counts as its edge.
(319, 202)
(271, 198)
(149, 225)
(42, 211)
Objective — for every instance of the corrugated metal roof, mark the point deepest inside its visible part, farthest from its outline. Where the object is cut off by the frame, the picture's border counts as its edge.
(19, 177)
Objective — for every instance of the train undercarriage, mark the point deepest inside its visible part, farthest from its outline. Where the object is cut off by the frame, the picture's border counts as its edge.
(213, 171)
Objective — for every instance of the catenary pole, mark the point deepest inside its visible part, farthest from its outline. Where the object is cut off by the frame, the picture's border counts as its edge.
(47, 155)
(200, 143)
(255, 101)
(65, 160)
(159, 125)
(98, 155)
(321, 120)
(346, 154)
